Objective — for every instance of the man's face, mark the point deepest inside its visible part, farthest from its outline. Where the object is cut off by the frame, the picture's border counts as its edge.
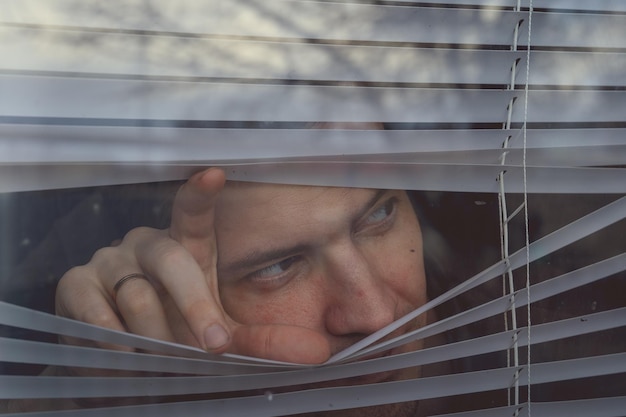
(343, 262)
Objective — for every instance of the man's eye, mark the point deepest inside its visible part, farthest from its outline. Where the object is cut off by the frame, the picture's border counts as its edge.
(274, 270)
(382, 213)
(380, 220)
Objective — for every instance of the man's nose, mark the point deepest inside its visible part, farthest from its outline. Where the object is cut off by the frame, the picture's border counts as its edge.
(360, 301)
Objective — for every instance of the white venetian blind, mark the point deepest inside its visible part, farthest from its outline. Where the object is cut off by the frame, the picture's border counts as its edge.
(479, 96)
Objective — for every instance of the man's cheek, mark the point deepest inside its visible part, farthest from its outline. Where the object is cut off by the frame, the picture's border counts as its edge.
(405, 275)
(271, 309)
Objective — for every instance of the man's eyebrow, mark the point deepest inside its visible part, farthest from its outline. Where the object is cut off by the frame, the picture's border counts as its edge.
(257, 258)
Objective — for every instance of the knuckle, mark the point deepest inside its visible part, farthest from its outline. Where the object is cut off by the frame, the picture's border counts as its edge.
(74, 283)
(140, 233)
(170, 253)
(100, 317)
(79, 297)
(65, 294)
(71, 276)
(106, 254)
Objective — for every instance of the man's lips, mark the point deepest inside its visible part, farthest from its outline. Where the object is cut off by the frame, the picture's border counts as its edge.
(377, 377)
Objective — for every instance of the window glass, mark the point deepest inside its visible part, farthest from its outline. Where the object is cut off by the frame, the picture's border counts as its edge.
(378, 158)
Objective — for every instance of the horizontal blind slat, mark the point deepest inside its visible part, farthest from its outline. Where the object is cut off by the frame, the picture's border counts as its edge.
(25, 351)
(146, 100)
(573, 107)
(54, 144)
(125, 99)
(26, 143)
(464, 178)
(576, 30)
(596, 407)
(469, 178)
(372, 148)
(575, 69)
(128, 55)
(593, 6)
(545, 157)
(308, 20)
(596, 5)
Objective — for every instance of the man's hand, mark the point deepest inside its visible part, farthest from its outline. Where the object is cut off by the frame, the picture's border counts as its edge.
(180, 300)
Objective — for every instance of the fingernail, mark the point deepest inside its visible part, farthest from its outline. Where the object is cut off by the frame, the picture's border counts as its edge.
(215, 336)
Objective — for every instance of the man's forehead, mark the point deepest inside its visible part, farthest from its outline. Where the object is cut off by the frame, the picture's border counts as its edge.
(274, 209)
(259, 221)
(239, 193)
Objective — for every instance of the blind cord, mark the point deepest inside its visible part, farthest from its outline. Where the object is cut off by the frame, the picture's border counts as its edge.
(504, 238)
(527, 233)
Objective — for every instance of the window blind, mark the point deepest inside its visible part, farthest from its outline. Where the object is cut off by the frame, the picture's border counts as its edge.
(512, 99)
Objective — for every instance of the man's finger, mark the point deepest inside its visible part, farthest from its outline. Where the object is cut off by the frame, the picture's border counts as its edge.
(281, 343)
(193, 215)
(192, 283)
(139, 304)
(171, 266)
(80, 298)
(136, 301)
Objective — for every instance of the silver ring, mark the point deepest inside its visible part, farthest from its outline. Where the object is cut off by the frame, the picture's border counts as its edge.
(126, 278)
